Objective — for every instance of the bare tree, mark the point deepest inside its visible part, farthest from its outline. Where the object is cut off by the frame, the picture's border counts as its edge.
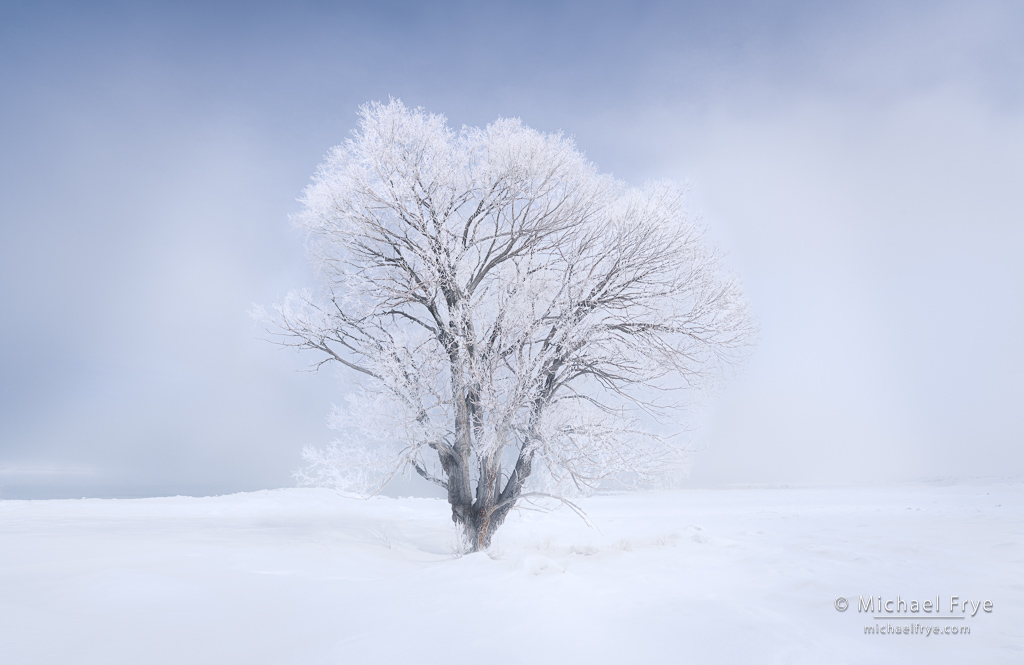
(505, 307)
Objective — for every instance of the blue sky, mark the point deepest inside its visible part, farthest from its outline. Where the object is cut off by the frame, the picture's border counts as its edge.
(860, 165)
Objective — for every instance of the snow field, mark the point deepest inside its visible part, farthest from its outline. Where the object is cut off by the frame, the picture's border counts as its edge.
(707, 576)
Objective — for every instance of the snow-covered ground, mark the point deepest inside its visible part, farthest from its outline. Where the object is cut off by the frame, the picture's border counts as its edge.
(702, 576)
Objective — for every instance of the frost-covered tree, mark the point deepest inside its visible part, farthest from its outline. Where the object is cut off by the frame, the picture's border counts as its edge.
(508, 311)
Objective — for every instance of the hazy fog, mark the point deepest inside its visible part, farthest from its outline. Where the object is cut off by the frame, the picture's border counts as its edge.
(863, 168)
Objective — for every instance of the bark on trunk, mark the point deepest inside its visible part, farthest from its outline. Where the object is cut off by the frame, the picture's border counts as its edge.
(479, 519)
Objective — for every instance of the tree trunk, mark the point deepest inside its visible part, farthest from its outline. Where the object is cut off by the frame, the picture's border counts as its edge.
(481, 518)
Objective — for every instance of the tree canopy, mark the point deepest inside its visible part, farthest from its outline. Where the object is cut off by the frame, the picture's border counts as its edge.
(506, 309)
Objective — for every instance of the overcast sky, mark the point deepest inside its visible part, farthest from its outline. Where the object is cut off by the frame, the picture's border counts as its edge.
(861, 164)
